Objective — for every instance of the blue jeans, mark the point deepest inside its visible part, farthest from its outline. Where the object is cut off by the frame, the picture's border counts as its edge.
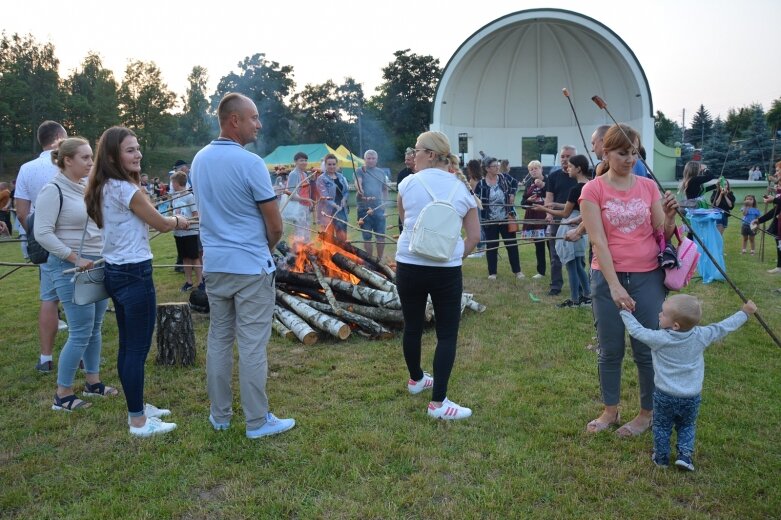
(680, 412)
(578, 279)
(133, 292)
(84, 323)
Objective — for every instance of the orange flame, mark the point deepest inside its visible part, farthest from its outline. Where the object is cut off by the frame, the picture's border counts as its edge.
(324, 252)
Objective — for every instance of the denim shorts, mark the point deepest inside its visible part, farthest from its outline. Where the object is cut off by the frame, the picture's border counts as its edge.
(374, 222)
(48, 274)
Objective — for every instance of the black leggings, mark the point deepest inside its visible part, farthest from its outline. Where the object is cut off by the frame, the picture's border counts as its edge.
(445, 285)
(492, 232)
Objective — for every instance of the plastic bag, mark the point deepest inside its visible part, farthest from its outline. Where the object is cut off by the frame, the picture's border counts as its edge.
(703, 223)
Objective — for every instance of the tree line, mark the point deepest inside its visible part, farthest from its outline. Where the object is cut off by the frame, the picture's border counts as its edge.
(746, 138)
(90, 99)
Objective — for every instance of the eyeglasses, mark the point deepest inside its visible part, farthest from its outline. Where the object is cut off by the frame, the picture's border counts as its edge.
(416, 150)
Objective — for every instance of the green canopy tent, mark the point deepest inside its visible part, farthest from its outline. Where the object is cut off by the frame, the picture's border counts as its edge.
(282, 156)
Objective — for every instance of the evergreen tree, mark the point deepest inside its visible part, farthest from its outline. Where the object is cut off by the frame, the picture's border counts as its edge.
(773, 116)
(756, 144)
(700, 130)
(719, 154)
(738, 121)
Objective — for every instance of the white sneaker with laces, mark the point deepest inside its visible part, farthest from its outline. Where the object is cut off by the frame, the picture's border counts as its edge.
(273, 426)
(448, 411)
(492, 277)
(537, 276)
(416, 387)
(519, 275)
(153, 426)
(775, 270)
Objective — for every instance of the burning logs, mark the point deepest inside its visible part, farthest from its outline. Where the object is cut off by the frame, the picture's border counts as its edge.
(339, 289)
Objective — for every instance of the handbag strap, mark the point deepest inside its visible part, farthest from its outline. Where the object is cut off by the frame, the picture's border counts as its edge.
(84, 234)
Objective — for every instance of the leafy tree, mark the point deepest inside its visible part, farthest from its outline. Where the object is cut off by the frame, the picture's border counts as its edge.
(29, 83)
(700, 129)
(91, 102)
(316, 114)
(195, 123)
(268, 84)
(773, 116)
(667, 130)
(145, 102)
(404, 99)
(738, 121)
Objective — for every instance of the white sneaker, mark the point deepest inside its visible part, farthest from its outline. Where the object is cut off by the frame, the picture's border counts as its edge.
(151, 410)
(273, 426)
(448, 411)
(537, 276)
(153, 426)
(416, 387)
(61, 325)
(775, 270)
(519, 275)
(492, 277)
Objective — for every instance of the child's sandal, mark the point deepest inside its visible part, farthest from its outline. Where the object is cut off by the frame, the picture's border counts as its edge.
(100, 390)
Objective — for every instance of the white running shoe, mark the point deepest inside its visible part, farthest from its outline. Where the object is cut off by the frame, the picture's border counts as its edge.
(537, 276)
(448, 411)
(61, 326)
(153, 426)
(416, 387)
(151, 410)
(519, 275)
(272, 426)
(775, 270)
(492, 277)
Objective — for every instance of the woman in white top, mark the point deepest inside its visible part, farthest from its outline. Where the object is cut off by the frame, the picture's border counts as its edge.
(419, 277)
(123, 212)
(61, 222)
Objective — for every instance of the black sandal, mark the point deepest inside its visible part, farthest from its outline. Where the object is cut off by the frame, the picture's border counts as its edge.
(100, 390)
(69, 403)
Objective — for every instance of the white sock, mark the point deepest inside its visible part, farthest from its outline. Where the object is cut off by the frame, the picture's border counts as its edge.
(44, 359)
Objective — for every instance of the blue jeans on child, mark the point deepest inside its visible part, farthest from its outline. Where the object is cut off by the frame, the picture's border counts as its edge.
(84, 323)
(133, 292)
(680, 412)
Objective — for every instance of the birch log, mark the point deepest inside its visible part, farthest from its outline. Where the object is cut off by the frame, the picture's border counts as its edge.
(317, 319)
(370, 277)
(374, 328)
(300, 329)
(366, 294)
(373, 261)
(329, 294)
(280, 329)
(377, 314)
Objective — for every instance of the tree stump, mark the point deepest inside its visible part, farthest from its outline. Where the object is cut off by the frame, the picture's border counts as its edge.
(175, 335)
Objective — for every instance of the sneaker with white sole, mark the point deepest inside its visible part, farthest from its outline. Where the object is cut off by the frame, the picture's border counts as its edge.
(219, 426)
(684, 462)
(538, 276)
(492, 277)
(448, 411)
(416, 387)
(273, 426)
(151, 410)
(519, 275)
(153, 426)
(61, 326)
(775, 270)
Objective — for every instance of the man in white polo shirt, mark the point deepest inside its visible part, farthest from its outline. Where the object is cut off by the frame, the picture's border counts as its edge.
(33, 176)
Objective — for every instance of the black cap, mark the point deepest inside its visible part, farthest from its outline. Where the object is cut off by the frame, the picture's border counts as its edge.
(179, 163)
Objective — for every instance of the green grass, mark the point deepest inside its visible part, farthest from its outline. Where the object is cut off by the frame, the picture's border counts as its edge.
(364, 448)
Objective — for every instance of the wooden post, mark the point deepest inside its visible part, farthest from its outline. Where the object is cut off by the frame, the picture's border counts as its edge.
(175, 335)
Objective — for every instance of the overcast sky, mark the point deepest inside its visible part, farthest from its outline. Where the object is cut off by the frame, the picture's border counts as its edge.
(719, 53)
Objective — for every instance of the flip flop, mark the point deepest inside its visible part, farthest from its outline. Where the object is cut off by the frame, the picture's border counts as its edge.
(597, 426)
(628, 430)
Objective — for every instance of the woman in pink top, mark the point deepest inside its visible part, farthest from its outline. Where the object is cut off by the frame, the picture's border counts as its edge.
(621, 212)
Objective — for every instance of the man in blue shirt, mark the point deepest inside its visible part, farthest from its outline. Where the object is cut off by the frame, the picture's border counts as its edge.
(240, 224)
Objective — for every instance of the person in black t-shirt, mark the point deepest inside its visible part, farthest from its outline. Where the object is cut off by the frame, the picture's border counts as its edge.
(409, 169)
(557, 187)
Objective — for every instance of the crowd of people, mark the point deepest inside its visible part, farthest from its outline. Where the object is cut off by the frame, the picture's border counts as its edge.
(227, 217)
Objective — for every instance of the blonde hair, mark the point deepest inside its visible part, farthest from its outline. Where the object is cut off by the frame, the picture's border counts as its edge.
(67, 148)
(438, 143)
(690, 171)
(685, 310)
(532, 164)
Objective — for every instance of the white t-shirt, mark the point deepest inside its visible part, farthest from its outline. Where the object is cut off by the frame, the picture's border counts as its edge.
(184, 207)
(414, 198)
(33, 176)
(125, 236)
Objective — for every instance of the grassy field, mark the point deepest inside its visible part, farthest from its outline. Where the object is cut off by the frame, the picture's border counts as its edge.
(364, 448)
